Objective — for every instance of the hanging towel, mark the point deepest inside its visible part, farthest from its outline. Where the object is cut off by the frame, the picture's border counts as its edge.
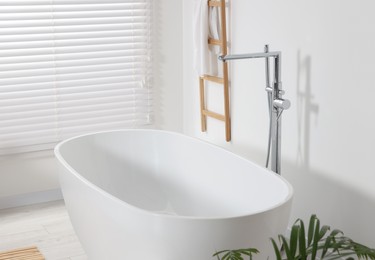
(206, 24)
(214, 28)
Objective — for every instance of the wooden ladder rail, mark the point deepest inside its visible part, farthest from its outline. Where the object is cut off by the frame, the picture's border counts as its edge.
(220, 80)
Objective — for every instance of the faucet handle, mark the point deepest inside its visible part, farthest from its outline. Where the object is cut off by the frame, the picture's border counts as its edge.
(284, 104)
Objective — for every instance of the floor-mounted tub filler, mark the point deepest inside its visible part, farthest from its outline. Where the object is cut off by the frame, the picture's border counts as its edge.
(149, 194)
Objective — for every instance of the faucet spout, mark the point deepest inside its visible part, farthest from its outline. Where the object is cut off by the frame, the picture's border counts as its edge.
(278, 104)
(274, 54)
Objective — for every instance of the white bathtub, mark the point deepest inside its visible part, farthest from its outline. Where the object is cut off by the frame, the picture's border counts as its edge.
(148, 194)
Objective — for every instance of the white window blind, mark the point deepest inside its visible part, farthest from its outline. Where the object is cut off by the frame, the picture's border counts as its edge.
(69, 67)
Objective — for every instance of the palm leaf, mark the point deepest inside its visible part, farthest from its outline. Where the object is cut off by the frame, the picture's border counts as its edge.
(363, 251)
(323, 231)
(287, 250)
(294, 239)
(310, 232)
(333, 245)
(276, 250)
(236, 254)
(314, 248)
(326, 247)
(302, 241)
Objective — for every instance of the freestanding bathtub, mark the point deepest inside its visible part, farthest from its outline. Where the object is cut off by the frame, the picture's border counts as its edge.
(149, 194)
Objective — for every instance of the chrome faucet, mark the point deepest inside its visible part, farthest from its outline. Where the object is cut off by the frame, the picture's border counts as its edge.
(276, 103)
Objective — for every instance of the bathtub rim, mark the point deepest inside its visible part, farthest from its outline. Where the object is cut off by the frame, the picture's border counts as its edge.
(61, 160)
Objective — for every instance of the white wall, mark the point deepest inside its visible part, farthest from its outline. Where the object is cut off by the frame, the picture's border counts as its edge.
(168, 64)
(328, 73)
(35, 174)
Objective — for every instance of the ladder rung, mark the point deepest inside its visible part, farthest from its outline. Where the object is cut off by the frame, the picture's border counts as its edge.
(213, 79)
(213, 114)
(214, 42)
(214, 3)
(31, 253)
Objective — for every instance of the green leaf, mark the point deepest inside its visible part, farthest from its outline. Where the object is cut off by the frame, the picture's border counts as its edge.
(323, 231)
(314, 248)
(286, 247)
(220, 252)
(332, 246)
(236, 254)
(363, 251)
(276, 250)
(336, 232)
(302, 241)
(226, 255)
(294, 240)
(326, 246)
(310, 232)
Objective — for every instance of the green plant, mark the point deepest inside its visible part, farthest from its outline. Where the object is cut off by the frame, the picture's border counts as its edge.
(236, 254)
(320, 243)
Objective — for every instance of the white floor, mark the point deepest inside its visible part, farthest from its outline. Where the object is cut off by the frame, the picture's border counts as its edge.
(45, 225)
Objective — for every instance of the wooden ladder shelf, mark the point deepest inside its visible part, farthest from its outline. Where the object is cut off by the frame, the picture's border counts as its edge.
(219, 80)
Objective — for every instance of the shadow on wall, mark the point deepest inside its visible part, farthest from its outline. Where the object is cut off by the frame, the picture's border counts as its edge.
(305, 109)
(336, 203)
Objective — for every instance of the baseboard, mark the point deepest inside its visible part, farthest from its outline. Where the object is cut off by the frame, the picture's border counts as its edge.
(30, 198)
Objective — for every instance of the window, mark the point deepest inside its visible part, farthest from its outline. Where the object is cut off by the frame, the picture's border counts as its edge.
(68, 67)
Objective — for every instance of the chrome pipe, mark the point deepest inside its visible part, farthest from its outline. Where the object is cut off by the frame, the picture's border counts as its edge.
(273, 54)
(276, 122)
(277, 103)
(269, 100)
